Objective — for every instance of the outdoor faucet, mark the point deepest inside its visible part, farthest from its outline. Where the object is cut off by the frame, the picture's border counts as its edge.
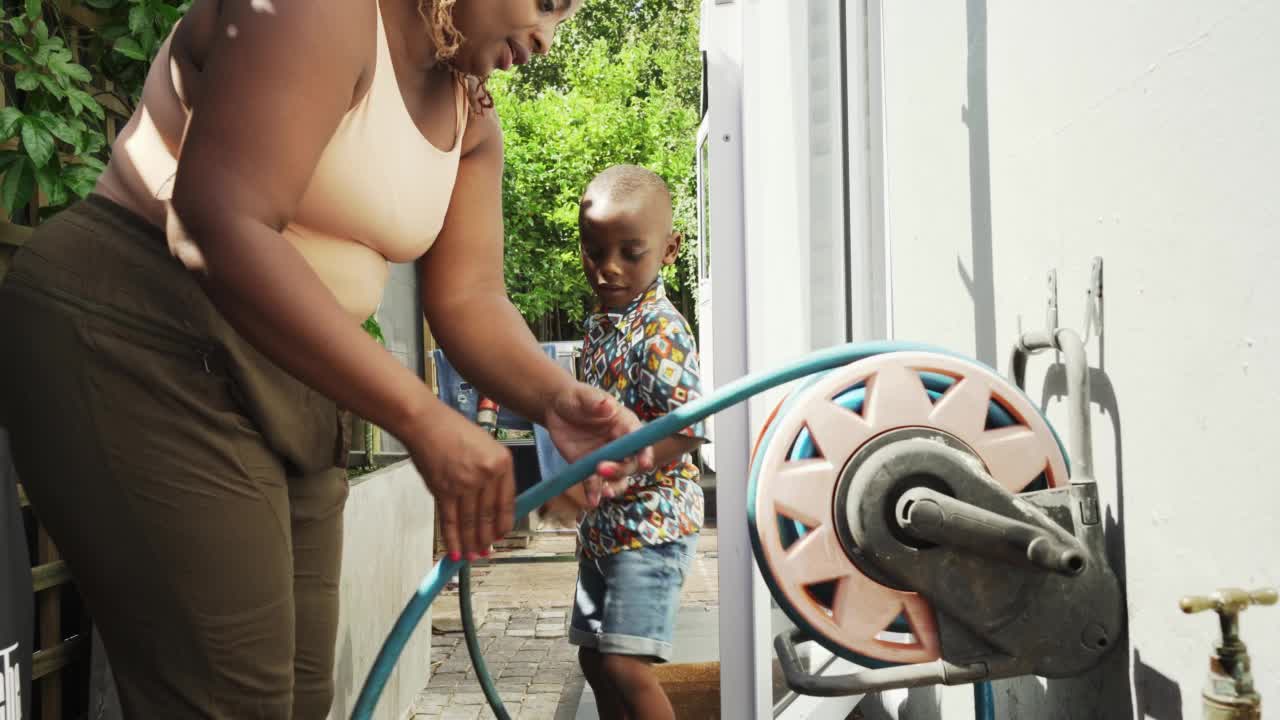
(1228, 692)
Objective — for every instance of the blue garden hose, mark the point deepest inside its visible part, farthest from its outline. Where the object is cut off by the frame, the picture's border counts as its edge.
(670, 424)
(984, 703)
(473, 646)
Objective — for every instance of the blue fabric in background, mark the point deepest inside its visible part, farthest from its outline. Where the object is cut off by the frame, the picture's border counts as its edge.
(457, 393)
(550, 462)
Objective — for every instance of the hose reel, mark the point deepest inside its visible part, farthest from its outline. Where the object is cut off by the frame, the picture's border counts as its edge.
(913, 513)
(910, 510)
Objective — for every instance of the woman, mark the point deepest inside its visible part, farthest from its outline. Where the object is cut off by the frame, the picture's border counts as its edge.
(190, 331)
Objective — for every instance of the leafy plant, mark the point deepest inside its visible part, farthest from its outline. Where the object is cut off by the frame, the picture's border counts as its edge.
(69, 66)
(374, 330)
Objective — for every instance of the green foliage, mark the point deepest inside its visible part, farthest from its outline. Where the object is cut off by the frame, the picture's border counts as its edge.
(614, 22)
(621, 86)
(56, 78)
(374, 330)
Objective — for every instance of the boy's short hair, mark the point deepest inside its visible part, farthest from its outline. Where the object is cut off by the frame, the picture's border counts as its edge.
(621, 180)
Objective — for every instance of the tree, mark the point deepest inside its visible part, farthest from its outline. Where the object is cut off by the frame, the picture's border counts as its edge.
(621, 86)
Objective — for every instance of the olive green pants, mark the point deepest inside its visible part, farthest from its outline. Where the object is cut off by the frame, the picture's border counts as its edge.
(195, 489)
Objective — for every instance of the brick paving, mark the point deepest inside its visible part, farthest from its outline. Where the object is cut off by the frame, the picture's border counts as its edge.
(526, 605)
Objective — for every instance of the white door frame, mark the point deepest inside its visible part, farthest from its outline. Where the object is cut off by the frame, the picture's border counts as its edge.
(744, 601)
(748, 99)
(870, 257)
(706, 323)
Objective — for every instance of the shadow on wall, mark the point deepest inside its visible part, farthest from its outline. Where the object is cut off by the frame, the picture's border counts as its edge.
(1104, 693)
(915, 704)
(1159, 697)
(980, 281)
(344, 678)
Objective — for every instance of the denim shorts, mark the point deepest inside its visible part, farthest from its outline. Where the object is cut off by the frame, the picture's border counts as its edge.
(626, 603)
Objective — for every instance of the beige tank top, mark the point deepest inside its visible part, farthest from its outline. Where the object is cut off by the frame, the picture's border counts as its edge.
(379, 192)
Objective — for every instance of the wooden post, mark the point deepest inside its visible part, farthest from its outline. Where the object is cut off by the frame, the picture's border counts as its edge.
(111, 118)
(49, 610)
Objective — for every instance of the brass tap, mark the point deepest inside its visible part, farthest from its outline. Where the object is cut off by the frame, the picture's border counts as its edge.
(1229, 693)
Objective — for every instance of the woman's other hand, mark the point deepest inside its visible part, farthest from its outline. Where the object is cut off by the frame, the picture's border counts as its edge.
(472, 478)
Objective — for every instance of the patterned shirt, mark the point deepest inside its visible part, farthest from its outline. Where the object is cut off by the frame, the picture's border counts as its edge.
(646, 357)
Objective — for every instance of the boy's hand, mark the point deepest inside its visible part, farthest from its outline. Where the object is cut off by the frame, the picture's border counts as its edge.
(581, 419)
(565, 509)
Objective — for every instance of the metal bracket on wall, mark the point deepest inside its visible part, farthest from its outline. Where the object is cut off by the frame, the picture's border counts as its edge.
(1051, 309)
(1093, 303)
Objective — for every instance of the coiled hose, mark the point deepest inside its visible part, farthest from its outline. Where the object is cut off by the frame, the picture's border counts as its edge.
(473, 646)
(669, 424)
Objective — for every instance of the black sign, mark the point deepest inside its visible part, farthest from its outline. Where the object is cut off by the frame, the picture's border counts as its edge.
(16, 603)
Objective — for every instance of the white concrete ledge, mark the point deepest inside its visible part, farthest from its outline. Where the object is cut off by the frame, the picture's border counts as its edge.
(388, 536)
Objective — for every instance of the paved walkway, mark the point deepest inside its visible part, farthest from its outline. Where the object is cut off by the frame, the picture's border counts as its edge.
(525, 597)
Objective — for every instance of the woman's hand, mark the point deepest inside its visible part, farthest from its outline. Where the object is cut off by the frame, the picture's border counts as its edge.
(581, 419)
(472, 478)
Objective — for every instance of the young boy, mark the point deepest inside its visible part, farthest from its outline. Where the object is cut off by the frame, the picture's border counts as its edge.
(637, 546)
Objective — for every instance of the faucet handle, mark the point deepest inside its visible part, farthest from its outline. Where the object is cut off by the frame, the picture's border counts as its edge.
(1228, 601)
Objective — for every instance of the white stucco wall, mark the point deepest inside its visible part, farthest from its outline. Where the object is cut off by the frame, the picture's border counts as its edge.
(1147, 133)
(387, 548)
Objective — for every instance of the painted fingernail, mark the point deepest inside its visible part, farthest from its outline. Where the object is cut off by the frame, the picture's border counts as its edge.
(484, 553)
(608, 472)
(454, 555)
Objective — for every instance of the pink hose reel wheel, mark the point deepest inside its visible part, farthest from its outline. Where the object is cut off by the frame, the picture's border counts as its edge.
(811, 445)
